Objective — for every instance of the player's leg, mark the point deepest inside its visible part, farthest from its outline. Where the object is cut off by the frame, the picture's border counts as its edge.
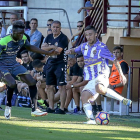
(10, 81)
(89, 95)
(28, 79)
(101, 88)
(69, 97)
(60, 73)
(76, 97)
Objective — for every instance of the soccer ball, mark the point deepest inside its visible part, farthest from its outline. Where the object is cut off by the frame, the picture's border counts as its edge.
(102, 118)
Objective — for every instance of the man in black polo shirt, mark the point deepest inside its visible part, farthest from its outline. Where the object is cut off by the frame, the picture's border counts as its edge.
(56, 66)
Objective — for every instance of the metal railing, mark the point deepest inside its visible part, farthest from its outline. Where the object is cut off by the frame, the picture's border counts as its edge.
(132, 86)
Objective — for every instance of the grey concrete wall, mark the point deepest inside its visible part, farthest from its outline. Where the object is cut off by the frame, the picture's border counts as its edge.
(71, 6)
(123, 9)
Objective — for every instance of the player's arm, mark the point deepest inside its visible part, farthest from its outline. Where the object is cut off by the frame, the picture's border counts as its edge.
(86, 8)
(38, 50)
(83, 83)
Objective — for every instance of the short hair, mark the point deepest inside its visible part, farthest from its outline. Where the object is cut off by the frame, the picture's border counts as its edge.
(34, 19)
(80, 21)
(50, 20)
(18, 24)
(57, 22)
(78, 56)
(23, 52)
(118, 48)
(71, 56)
(21, 18)
(37, 63)
(90, 27)
(37, 56)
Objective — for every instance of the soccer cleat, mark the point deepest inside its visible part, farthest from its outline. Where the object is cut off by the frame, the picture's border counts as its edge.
(127, 102)
(49, 110)
(7, 112)
(59, 111)
(91, 121)
(37, 113)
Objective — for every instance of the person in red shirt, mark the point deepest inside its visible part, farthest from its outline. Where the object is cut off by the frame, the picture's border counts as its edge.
(114, 79)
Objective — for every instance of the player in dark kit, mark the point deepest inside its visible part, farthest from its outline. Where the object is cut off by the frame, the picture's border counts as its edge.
(11, 70)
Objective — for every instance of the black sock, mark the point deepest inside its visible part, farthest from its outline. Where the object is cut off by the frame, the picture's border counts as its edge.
(45, 102)
(33, 95)
(78, 108)
(99, 107)
(9, 96)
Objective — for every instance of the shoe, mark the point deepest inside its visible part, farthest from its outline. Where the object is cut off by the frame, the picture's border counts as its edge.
(41, 102)
(49, 110)
(7, 112)
(127, 102)
(76, 110)
(59, 111)
(66, 110)
(91, 121)
(37, 113)
(43, 106)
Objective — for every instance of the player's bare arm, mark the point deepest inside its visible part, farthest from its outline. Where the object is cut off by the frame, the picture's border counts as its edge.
(122, 77)
(38, 50)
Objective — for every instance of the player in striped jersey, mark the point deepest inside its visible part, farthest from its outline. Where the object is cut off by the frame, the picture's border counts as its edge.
(96, 71)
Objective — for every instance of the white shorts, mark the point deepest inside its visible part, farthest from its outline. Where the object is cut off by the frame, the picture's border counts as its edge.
(101, 79)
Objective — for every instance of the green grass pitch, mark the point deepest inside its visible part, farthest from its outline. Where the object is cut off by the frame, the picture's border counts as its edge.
(22, 126)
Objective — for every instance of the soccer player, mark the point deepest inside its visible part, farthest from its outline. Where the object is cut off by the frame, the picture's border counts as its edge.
(11, 70)
(96, 72)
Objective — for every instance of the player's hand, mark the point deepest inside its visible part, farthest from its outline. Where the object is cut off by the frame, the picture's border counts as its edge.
(44, 46)
(68, 52)
(123, 79)
(68, 86)
(38, 83)
(79, 11)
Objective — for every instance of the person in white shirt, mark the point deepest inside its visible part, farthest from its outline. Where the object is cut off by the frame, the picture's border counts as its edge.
(13, 18)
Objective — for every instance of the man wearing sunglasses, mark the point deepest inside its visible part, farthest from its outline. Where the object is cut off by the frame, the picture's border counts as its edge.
(49, 22)
(80, 25)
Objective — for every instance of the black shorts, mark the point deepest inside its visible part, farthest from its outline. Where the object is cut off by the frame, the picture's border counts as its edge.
(56, 74)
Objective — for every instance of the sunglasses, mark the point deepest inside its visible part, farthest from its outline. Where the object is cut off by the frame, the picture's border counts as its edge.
(79, 25)
(48, 24)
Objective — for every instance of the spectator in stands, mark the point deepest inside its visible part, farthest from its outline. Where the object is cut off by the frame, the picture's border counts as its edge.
(49, 22)
(41, 83)
(71, 78)
(13, 18)
(56, 66)
(114, 78)
(4, 4)
(21, 86)
(136, 24)
(80, 25)
(34, 34)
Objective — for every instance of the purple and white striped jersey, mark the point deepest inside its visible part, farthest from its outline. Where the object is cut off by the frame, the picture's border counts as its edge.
(96, 59)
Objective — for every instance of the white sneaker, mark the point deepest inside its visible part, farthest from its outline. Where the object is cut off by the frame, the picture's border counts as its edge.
(90, 122)
(38, 112)
(7, 112)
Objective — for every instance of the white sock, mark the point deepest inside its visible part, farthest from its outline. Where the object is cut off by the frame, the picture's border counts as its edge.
(88, 110)
(112, 94)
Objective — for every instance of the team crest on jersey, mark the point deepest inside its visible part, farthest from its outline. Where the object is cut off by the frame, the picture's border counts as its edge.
(94, 52)
(56, 44)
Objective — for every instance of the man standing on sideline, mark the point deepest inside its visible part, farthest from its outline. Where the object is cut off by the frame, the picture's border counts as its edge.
(114, 79)
(13, 18)
(96, 72)
(10, 69)
(56, 66)
(34, 34)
